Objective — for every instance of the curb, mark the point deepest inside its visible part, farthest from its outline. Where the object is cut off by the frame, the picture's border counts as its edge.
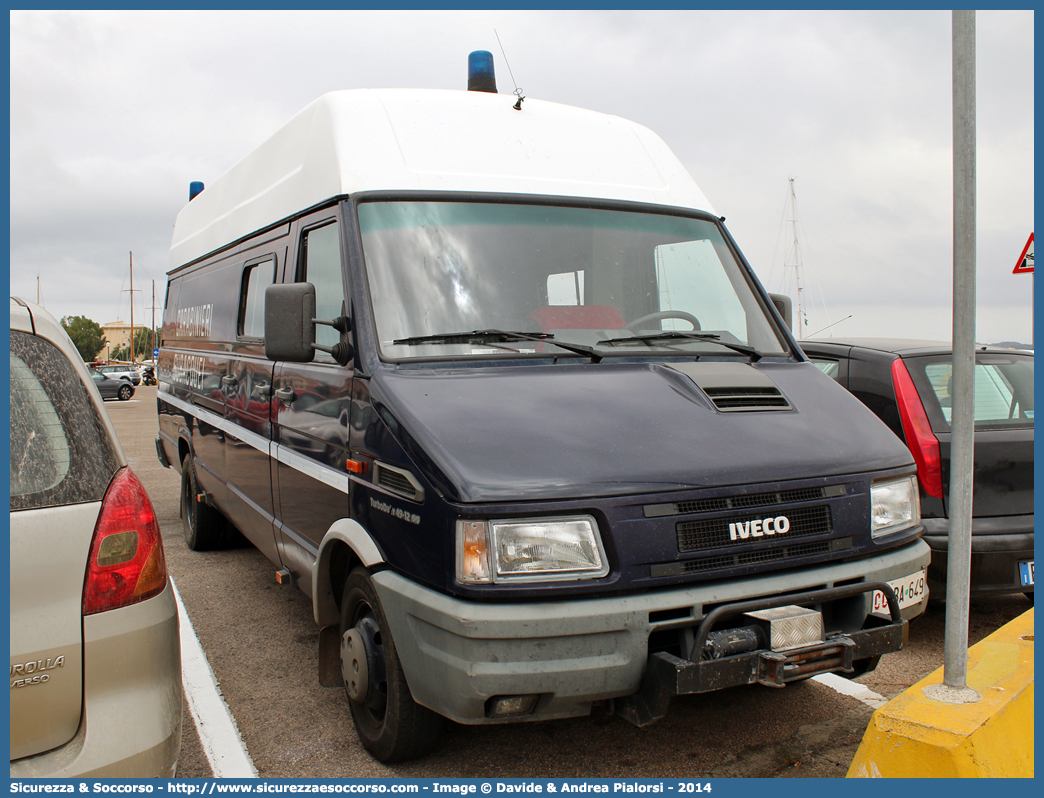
(916, 736)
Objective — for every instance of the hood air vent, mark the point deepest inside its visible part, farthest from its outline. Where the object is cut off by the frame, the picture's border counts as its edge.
(734, 387)
(397, 481)
(730, 400)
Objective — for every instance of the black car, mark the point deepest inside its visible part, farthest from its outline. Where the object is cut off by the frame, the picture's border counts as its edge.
(907, 384)
(112, 388)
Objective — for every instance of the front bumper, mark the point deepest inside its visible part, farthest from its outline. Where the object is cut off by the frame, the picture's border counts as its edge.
(999, 544)
(458, 655)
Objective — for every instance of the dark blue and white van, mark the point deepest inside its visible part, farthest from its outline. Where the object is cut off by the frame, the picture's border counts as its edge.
(491, 383)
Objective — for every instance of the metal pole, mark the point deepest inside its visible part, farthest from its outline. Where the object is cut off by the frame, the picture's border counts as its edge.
(962, 423)
(132, 308)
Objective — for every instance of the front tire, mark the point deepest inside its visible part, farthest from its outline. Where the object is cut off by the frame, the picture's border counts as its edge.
(391, 725)
(204, 527)
(124, 393)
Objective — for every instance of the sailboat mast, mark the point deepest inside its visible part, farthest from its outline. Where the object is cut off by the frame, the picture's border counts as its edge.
(132, 308)
(796, 264)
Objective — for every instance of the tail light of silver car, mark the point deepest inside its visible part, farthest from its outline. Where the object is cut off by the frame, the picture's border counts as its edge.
(126, 563)
(920, 439)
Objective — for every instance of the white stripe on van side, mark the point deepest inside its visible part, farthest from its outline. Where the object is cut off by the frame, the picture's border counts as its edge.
(311, 468)
(258, 442)
(283, 454)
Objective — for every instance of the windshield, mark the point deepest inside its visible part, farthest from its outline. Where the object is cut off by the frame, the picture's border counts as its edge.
(609, 282)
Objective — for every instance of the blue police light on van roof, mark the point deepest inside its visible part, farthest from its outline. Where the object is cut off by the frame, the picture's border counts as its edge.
(195, 187)
(480, 72)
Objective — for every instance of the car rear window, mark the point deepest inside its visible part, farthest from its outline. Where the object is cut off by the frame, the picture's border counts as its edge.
(60, 452)
(1003, 390)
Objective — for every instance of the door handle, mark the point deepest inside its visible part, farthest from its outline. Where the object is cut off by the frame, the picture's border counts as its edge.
(285, 394)
(228, 380)
(263, 389)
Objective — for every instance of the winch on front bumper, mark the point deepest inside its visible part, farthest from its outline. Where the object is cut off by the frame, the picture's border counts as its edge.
(759, 653)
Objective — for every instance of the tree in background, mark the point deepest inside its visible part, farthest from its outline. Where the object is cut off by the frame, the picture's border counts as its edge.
(86, 335)
(143, 343)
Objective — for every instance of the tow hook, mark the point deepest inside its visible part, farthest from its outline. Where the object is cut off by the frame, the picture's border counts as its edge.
(757, 654)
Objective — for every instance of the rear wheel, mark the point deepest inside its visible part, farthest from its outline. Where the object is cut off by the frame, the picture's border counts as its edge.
(391, 725)
(203, 525)
(124, 393)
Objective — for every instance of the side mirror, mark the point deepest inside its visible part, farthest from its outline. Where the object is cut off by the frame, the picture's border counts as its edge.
(289, 325)
(784, 307)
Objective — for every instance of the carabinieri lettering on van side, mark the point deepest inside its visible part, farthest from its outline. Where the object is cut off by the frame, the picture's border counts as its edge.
(195, 320)
(759, 527)
(188, 370)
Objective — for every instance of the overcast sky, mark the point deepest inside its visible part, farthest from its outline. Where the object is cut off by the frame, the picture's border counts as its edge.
(114, 113)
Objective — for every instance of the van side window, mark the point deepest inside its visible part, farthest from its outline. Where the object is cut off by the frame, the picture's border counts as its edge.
(256, 278)
(320, 265)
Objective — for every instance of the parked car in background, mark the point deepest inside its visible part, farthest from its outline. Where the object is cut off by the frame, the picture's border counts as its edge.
(908, 384)
(110, 387)
(94, 638)
(122, 373)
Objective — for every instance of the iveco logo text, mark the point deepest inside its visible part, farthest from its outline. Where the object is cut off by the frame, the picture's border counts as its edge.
(759, 527)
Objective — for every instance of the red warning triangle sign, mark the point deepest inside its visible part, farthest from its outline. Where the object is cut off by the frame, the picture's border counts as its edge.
(1025, 263)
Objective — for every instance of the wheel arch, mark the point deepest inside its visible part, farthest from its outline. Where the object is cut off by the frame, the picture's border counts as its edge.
(184, 446)
(345, 546)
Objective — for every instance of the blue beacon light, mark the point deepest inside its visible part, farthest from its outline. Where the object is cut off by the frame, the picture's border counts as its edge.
(480, 72)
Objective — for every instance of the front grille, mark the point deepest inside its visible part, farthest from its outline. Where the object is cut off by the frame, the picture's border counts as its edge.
(755, 557)
(724, 503)
(747, 558)
(715, 533)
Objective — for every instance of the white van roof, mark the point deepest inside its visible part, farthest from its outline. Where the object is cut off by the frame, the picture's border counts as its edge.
(433, 140)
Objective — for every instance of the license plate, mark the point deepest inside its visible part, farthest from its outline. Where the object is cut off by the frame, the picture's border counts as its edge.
(909, 590)
(1026, 572)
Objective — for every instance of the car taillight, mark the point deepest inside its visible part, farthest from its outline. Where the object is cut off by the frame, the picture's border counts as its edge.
(924, 446)
(126, 564)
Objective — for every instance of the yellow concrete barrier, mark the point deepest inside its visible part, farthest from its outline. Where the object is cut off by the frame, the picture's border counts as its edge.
(915, 736)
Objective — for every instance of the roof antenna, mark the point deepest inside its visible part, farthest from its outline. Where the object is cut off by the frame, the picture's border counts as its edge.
(518, 104)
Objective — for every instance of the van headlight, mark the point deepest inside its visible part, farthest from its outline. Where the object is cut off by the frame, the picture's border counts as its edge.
(529, 550)
(894, 504)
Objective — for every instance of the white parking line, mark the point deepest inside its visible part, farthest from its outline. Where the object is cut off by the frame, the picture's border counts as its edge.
(850, 688)
(217, 728)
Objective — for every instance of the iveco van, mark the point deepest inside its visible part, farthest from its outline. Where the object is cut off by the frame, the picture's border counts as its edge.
(489, 380)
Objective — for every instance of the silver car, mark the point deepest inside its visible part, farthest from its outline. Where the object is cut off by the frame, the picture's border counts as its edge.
(118, 372)
(95, 647)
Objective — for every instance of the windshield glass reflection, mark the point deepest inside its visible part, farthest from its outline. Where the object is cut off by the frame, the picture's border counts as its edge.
(588, 277)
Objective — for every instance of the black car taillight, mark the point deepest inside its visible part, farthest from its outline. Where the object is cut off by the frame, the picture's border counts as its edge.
(920, 439)
(126, 564)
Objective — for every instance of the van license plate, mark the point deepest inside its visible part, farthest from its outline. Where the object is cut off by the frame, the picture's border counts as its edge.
(910, 590)
(1026, 572)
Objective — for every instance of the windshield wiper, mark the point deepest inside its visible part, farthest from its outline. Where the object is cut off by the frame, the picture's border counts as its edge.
(678, 335)
(498, 336)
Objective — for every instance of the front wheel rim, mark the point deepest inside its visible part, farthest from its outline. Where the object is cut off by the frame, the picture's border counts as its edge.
(363, 666)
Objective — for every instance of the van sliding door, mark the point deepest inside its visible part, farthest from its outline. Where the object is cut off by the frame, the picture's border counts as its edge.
(248, 405)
